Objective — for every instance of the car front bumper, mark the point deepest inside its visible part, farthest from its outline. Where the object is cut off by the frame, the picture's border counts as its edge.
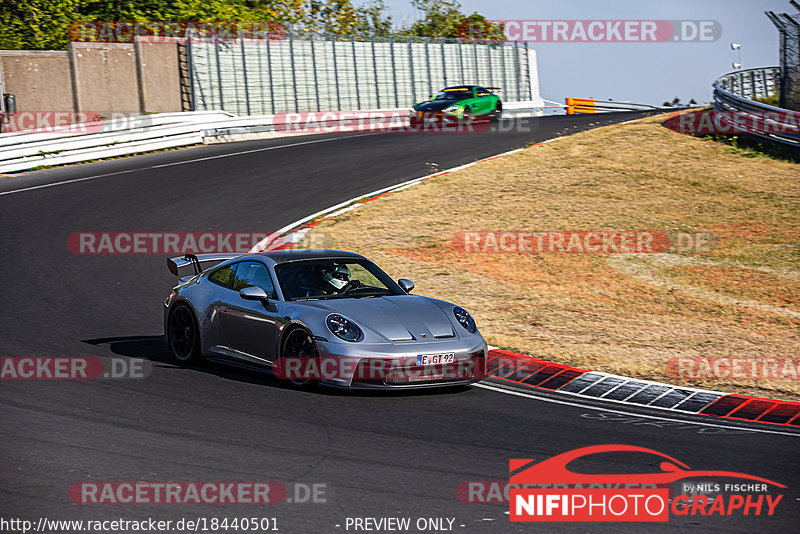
(433, 117)
(398, 365)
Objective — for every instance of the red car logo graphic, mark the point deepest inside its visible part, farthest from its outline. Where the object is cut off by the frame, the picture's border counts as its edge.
(554, 470)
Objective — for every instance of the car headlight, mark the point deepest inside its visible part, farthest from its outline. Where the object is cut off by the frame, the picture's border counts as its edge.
(465, 319)
(451, 109)
(343, 328)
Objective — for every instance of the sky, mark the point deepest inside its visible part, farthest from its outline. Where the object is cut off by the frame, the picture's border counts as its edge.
(647, 73)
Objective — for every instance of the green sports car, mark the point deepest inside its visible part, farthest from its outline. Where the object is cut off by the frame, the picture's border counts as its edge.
(458, 103)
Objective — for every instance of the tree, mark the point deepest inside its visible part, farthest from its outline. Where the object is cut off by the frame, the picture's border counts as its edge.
(676, 101)
(49, 24)
(476, 26)
(36, 24)
(45, 24)
(193, 10)
(373, 20)
(331, 16)
(441, 18)
(692, 102)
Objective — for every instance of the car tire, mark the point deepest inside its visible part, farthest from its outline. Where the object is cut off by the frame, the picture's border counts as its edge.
(497, 115)
(183, 335)
(299, 343)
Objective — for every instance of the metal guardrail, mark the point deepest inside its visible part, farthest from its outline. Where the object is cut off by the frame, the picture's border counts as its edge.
(590, 105)
(751, 83)
(25, 150)
(734, 93)
(20, 151)
(614, 105)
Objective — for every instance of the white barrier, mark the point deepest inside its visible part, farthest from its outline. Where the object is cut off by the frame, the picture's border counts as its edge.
(25, 150)
(21, 151)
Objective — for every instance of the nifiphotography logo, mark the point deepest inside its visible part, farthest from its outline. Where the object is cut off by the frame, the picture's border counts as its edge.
(549, 491)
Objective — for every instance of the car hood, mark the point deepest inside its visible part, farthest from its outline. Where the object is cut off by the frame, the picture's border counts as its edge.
(395, 317)
(435, 105)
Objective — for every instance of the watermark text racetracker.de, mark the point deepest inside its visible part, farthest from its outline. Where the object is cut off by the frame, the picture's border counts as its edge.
(582, 242)
(717, 122)
(63, 122)
(434, 367)
(380, 121)
(104, 31)
(196, 492)
(727, 368)
(605, 31)
(72, 368)
(169, 242)
(59, 122)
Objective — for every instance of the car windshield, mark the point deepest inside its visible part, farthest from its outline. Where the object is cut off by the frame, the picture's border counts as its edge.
(329, 279)
(454, 94)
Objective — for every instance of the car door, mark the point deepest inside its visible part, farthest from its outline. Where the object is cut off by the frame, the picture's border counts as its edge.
(221, 284)
(251, 326)
(484, 101)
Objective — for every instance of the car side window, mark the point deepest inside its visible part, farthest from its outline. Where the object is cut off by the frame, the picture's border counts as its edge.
(224, 277)
(253, 274)
(482, 92)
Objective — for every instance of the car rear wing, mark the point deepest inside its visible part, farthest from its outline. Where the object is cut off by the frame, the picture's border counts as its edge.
(196, 261)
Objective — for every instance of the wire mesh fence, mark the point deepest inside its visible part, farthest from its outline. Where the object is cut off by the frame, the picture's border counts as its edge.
(789, 27)
(309, 72)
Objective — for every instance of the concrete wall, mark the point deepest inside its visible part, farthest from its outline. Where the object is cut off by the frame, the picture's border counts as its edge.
(39, 79)
(105, 78)
(112, 79)
(161, 82)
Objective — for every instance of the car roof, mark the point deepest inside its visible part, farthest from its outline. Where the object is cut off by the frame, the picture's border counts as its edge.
(289, 255)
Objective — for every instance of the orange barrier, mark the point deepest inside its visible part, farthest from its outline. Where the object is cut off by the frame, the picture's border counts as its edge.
(580, 105)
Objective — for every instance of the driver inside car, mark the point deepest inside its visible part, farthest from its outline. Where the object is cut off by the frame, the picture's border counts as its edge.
(337, 278)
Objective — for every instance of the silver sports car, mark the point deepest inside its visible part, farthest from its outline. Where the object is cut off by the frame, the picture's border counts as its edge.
(319, 316)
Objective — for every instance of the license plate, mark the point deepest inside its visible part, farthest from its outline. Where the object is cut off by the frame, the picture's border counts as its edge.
(435, 359)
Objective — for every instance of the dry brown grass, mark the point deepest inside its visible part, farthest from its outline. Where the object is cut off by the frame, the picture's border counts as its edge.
(625, 314)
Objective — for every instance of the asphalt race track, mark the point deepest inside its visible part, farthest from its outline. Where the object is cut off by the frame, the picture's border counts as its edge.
(379, 455)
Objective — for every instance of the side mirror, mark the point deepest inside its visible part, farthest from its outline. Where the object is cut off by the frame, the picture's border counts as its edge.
(406, 284)
(430, 97)
(253, 293)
